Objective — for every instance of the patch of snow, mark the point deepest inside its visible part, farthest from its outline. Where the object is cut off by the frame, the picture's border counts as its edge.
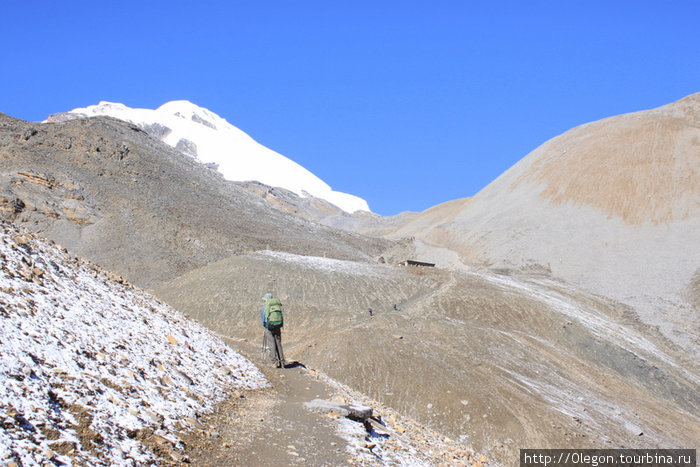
(318, 263)
(218, 143)
(86, 361)
(599, 324)
(393, 439)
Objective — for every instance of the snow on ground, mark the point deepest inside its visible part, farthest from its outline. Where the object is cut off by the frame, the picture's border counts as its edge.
(330, 265)
(93, 370)
(395, 440)
(545, 291)
(209, 138)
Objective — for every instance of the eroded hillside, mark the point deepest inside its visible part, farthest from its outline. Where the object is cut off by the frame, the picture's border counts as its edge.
(496, 361)
(96, 372)
(580, 331)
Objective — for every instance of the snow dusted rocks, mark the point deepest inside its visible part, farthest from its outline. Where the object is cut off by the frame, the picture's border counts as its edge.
(93, 371)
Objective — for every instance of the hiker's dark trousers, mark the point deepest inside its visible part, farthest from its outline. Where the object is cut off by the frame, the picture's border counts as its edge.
(274, 343)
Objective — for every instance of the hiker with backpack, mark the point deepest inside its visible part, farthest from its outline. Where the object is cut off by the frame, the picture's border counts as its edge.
(272, 320)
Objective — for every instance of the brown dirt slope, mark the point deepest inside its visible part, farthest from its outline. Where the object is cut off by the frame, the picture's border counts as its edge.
(269, 427)
(611, 206)
(273, 427)
(495, 361)
(642, 167)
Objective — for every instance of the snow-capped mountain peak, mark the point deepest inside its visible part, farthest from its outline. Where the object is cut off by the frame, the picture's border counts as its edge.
(202, 134)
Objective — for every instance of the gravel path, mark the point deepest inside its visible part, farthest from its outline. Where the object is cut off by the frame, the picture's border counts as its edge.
(270, 427)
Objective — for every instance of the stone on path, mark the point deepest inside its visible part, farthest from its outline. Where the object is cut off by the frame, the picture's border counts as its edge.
(355, 412)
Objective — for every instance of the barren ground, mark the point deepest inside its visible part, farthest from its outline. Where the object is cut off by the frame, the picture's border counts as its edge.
(272, 427)
(494, 361)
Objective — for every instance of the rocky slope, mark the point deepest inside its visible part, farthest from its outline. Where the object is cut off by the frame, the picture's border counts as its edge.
(302, 436)
(95, 372)
(109, 192)
(612, 206)
(211, 140)
(495, 361)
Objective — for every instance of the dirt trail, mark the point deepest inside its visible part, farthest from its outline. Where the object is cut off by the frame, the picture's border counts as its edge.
(273, 427)
(270, 427)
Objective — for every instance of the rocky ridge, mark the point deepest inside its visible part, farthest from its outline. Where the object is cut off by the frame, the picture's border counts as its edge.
(210, 139)
(109, 192)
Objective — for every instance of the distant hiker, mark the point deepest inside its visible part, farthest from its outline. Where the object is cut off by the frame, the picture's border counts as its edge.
(271, 314)
(371, 312)
(395, 307)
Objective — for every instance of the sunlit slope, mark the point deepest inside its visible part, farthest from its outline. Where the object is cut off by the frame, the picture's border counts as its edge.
(211, 140)
(501, 362)
(108, 191)
(612, 206)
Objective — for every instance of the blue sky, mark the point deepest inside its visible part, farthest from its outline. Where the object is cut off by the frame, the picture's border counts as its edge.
(405, 103)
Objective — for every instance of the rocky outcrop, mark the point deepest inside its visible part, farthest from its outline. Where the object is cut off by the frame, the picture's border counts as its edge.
(187, 147)
(207, 123)
(307, 207)
(156, 130)
(39, 195)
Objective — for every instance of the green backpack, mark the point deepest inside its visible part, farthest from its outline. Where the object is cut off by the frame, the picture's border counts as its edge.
(273, 313)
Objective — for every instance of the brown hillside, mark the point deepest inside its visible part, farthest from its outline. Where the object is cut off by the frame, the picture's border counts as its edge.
(612, 206)
(640, 167)
(109, 192)
(495, 362)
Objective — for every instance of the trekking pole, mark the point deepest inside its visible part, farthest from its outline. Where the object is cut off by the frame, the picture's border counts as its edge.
(263, 350)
